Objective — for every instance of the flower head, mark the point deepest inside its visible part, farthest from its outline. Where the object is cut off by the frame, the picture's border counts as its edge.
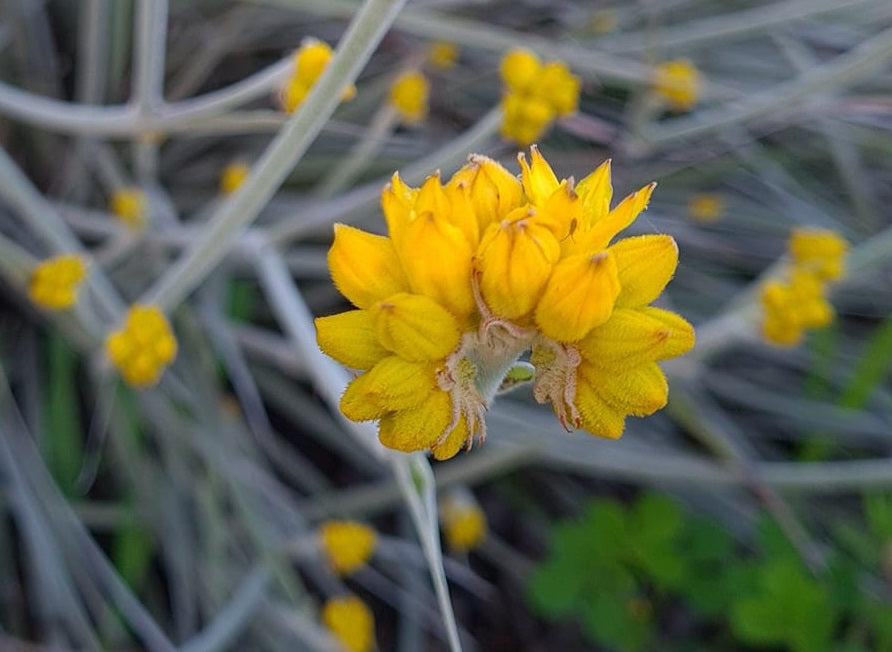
(797, 301)
(347, 545)
(535, 95)
(129, 205)
(233, 176)
(54, 282)
(706, 207)
(820, 251)
(677, 83)
(481, 269)
(409, 96)
(143, 347)
(464, 523)
(442, 55)
(310, 61)
(351, 622)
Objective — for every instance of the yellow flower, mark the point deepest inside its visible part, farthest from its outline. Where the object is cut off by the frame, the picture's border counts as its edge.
(310, 61)
(535, 94)
(442, 55)
(409, 96)
(706, 207)
(477, 271)
(797, 302)
(143, 347)
(820, 251)
(464, 523)
(129, 205)
(233, 176)
(351, 622)
(677, 83)
(347, 545)
(54, 283)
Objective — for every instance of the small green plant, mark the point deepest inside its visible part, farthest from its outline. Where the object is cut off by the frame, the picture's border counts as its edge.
(616, 566)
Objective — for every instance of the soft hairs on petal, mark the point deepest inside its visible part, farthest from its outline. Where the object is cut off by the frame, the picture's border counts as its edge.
(645, 265)
(417, 428)
(349, 338)
(415, 327)
(579, 296)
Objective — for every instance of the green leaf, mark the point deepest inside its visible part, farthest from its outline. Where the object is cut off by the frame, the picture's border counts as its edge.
(616, 621)
(871, 369)
(554, 587)
(878, 512)
(64, 435)
(655, 518)
(132, 553)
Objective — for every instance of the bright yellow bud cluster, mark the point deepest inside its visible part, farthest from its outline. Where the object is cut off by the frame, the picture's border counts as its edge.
(706, 207)
(479, 270)
(464, 523)
(535, 95)
(143, 347)
(347, 545)
(310, 61)
(351, 622)
(677, 83)
(129, 205)
(799, 302)
(54, 282)
(409, 95)
(233, 176)
(442, 55)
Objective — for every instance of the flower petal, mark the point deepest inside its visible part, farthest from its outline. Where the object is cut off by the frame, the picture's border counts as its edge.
(364, 266)
(494, 191)
(392, 384)
(349, 338)
(595, 192)
(437, 259)
(417, 428)
(539, 180)
(579, 296)
(602, 231)
(453, 443)
(645, 265)
(415, 327)
(515, 259)
(596, 415)
(640, 391)
(633, 336)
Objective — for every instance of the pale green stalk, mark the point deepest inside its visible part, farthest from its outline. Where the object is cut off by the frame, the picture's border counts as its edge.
(229, 220)
(451, 154)
(43, 220)
(148, 79)
(354, 161)
(726, 26)
(843, 71)
(330, 379)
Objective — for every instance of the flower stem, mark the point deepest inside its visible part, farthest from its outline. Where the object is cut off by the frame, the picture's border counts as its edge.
(365, 32)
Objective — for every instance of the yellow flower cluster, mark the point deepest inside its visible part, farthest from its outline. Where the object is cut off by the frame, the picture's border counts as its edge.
(143, 347)
(351, 622)
(706, 207)
(476, 272)
(310, 61)
(347, 545)
(54, 283)
(464, 523)
(233, 176)
(409, 95)
(442, 55)
(535, 95)
(129, 205)
(677, 83)
(798, 302)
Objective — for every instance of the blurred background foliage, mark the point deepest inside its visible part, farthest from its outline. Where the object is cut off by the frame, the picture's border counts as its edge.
(755, 511)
